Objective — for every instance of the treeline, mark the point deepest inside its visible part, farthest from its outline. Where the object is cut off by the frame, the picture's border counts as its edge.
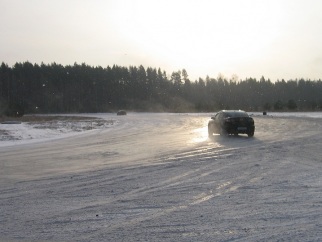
(53, 88)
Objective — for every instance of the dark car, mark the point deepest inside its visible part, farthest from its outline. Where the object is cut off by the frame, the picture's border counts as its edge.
(121, 112)
(234, 122)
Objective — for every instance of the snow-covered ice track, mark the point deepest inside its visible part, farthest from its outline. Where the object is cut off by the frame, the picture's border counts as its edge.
(167, 183)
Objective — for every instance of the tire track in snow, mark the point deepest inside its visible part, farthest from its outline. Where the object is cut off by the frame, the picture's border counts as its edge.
(159, 212)
(191, 176)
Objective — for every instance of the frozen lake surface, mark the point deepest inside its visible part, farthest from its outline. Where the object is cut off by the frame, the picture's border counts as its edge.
(158, 177)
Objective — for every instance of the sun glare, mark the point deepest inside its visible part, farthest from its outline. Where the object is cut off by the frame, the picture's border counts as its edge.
(200, 135)
(198, 35)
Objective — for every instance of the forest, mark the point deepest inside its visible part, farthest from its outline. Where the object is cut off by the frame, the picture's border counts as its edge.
(80, 88)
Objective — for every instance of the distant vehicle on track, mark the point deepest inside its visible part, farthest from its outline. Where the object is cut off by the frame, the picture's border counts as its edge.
(121, 112)
(235, 122)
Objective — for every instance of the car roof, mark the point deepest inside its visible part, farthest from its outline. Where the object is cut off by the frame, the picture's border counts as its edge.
(233, 111)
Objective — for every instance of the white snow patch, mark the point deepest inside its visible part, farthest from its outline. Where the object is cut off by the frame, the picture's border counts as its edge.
(22, 133)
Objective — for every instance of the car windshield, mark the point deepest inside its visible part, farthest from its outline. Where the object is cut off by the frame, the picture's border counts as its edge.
(236, 114)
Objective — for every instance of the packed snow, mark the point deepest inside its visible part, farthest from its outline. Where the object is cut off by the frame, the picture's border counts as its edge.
(158, 177)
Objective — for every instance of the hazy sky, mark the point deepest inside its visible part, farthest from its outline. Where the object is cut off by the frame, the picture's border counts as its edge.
(279, 39)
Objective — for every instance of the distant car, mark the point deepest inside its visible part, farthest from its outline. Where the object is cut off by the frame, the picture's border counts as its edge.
(121, 112)
(234, 122)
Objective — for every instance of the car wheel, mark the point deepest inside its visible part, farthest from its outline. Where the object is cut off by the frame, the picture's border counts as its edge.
(251, 134)
(223, 132)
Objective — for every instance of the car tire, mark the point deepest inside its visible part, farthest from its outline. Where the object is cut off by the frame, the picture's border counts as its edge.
(223, 132)
(251, 134)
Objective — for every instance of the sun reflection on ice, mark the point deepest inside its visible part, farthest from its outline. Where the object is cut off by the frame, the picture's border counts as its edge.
(199, 135)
